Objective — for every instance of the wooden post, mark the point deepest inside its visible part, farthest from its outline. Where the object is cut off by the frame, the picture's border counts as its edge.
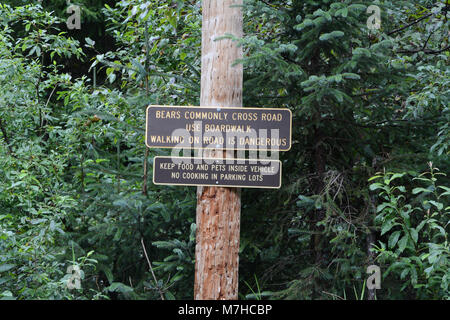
(218, 209)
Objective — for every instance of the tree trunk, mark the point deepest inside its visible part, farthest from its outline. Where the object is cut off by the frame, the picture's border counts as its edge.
(218, 209)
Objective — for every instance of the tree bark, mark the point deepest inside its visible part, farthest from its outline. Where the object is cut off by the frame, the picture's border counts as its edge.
(218, 209)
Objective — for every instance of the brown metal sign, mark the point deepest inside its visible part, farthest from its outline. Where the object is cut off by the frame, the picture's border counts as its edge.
(218, 128)
(239, 173)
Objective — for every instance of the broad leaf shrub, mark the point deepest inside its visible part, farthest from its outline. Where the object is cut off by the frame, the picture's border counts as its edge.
(414, 226)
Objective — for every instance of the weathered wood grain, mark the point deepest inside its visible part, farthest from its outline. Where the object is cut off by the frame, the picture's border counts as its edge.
(218, 209)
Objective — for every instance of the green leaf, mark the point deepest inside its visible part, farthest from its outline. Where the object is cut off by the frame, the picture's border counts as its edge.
(438, 205)
(118, 234)
(393, 239)
(163, 244)
(6, 267)
(402, 243)
(341, 12)
(375, 186)
(420, 190)
(404, 273)
(331, 35)
(355, 76)
(7, 295)
(360, 7)
(396, 176)
(169, 296)
(387, 226)
(119, 287)
(414, 234)
(165, 214)
(89, 41)
(382, 206)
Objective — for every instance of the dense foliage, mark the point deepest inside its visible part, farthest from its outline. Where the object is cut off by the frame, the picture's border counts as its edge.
(364, 183)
